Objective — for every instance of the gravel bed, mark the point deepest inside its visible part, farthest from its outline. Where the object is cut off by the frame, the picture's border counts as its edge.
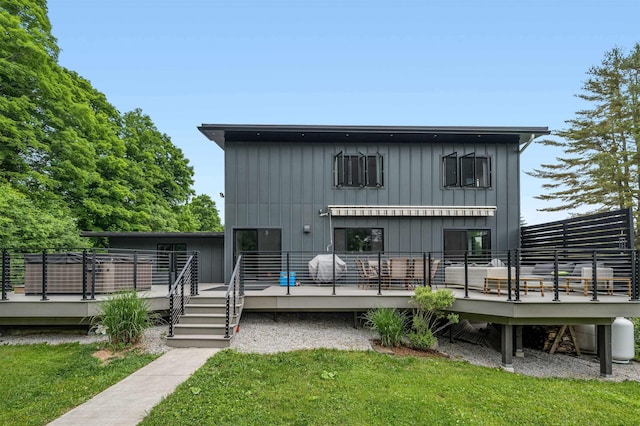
(260, 333)
(269, 333)
(153, 341)
(538, 363)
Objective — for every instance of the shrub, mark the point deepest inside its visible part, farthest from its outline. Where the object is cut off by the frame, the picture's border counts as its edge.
(389, 323)
(421, 337)
(430, 315)
(124, 317)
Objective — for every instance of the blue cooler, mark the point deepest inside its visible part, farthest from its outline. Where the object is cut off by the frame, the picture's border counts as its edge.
(283, 279)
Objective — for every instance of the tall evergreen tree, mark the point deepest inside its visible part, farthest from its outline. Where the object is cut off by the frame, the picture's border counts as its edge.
(600, 165)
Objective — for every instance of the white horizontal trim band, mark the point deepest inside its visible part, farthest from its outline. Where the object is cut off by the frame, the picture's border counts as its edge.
(419, 211)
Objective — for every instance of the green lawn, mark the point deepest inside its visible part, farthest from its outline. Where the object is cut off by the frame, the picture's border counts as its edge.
(327, 387)
(39, 383)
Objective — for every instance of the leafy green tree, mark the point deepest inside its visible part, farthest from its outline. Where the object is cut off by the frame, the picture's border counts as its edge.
(27, 52)
(206, 214)
(25, 226)
(62, 144)
(159, 176)
(600, 165)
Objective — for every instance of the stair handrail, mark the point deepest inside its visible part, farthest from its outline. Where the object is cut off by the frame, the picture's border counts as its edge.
(183, 272)
(234, 284)
(174, 311)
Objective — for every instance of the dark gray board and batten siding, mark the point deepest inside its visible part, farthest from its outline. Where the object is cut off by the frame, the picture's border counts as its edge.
(210, 247)
(285, 185)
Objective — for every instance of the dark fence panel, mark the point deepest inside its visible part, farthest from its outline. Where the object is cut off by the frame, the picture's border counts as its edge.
(606, 232)
(597, 231)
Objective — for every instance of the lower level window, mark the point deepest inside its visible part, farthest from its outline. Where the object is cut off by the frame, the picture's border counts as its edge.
(358, 239)
(475, 242)
(177, 259)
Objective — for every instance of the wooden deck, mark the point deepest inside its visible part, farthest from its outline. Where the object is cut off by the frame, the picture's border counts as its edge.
(533, 308)
(66, 309)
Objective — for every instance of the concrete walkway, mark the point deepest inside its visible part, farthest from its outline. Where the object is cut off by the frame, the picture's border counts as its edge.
(129, 401)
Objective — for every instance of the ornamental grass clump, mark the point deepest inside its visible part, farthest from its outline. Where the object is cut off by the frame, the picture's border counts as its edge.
(430, 316)
(389, 323)
(124, 317)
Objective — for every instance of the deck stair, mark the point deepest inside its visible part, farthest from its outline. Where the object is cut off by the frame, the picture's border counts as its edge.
(203, 323)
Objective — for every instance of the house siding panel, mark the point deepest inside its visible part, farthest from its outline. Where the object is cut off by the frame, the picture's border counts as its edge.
(284, 185)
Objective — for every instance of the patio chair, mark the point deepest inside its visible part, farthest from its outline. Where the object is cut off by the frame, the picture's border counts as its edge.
(417, 275)
(434, 271)
(419, 271)
(399, 270)
(365, 273)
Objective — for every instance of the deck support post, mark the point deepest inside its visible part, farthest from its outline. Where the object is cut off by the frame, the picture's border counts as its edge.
(518, 339)
(506, 347)
(604, 350)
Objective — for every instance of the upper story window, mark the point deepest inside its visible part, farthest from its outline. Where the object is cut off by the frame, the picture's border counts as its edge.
(358, 170)
(467, 171)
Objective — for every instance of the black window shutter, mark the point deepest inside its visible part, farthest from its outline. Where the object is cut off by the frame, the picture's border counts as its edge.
(450, 170)
(338, 169)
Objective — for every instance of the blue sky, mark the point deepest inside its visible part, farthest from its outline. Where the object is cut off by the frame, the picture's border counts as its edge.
(429, 63)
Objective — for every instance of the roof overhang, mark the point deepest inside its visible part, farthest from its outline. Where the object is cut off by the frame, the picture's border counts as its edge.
(223, 133)
(412, 211)
(134, 234)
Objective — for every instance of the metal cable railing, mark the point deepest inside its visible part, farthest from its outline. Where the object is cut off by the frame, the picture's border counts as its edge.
(87, 272)
(234, 291)
(510, 273)
(178, 298)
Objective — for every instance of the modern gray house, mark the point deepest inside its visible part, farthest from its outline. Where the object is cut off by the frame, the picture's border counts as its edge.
(370, 188)
(349, 218)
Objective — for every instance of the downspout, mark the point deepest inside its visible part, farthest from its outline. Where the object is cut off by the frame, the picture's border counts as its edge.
(328, 213)
(330, 246)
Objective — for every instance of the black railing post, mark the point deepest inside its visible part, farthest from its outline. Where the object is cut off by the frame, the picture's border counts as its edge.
(171, 315)
(289, 275)
(429, 270)
(6, 262)
(379, 273)
(556, 278)
(84, 274)
(195, 270)
(226, 320)
(634, 276)
(94, 267)
(44, 275)
(509, 276)
(194, 274)
(241, 272)
(135, 271)
(424, 269)
(334, 273)
(170, 269)
(182, 295)
(594, 276)
(517, 261)
(234, 290)
(466, 274)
